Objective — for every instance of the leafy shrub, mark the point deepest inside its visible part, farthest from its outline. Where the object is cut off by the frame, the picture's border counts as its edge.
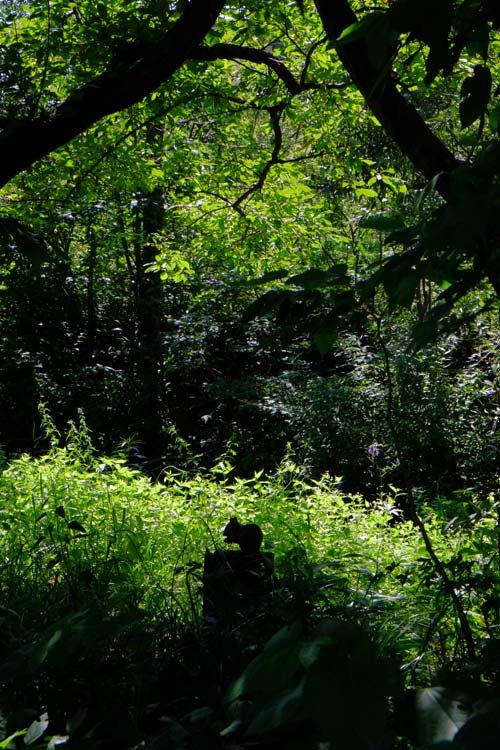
(100, 579)
(314, 687)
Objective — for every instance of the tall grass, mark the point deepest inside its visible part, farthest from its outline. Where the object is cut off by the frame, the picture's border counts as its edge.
(101, 582)
(78, 530)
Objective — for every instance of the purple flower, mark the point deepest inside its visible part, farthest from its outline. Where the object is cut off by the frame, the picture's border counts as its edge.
(374, 449)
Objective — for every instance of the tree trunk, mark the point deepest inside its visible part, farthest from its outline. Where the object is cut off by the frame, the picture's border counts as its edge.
(399, 118)
(149, 409)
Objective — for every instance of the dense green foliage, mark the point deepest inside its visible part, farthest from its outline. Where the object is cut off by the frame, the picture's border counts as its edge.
(126, 254)
(251, 251)
(101, 571)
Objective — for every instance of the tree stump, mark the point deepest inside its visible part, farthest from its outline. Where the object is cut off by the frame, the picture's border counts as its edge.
(235, 585)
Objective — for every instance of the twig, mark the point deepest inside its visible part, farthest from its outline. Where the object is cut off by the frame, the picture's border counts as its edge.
(314, 46)
(411, 510)
(447, 583)
(275, 115)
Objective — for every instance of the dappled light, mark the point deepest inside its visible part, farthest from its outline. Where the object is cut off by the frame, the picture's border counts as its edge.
(249, 396)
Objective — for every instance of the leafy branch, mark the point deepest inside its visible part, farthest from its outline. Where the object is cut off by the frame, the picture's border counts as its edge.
(275, 113)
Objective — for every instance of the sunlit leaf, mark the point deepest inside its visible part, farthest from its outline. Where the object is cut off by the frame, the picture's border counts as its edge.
(36, 729)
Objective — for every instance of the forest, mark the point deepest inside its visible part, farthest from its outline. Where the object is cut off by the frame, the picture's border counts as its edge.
(249, 382)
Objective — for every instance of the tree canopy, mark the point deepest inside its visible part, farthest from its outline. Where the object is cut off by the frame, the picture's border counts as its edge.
(249, 280)
(69, 68)
(311, 153)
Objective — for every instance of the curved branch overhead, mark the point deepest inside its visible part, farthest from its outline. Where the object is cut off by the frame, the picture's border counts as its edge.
(239, 52)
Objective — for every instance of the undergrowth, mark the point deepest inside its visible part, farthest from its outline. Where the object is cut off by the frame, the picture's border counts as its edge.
(101, 585)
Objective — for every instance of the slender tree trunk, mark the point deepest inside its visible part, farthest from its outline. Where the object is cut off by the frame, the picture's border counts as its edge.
(91, 307)
(149, 409)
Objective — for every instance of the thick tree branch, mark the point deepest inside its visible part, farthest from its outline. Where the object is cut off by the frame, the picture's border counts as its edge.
(399, 118)
(239, 52)
(127, 80)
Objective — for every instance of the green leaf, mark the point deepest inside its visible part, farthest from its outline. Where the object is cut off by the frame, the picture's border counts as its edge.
(377, 31)
(483, 728)
(401, 288)
(8, 741)
(77, 526)
(266, 278)
(346, 679)
(27, 660)
(324, 339)
(267, 303)
(428, 189)
(478, 39)
(365, 192)
(475, 93)
(383, 222)
(494, 119)
(76, 720)
(440, 713)
(315, 278)
(272, 670)
(361, 29)
(424, 332)
(36, 729)
(283, 712)
(430, 22)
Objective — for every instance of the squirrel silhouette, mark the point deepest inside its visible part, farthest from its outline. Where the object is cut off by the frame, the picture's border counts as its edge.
(247, 535)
